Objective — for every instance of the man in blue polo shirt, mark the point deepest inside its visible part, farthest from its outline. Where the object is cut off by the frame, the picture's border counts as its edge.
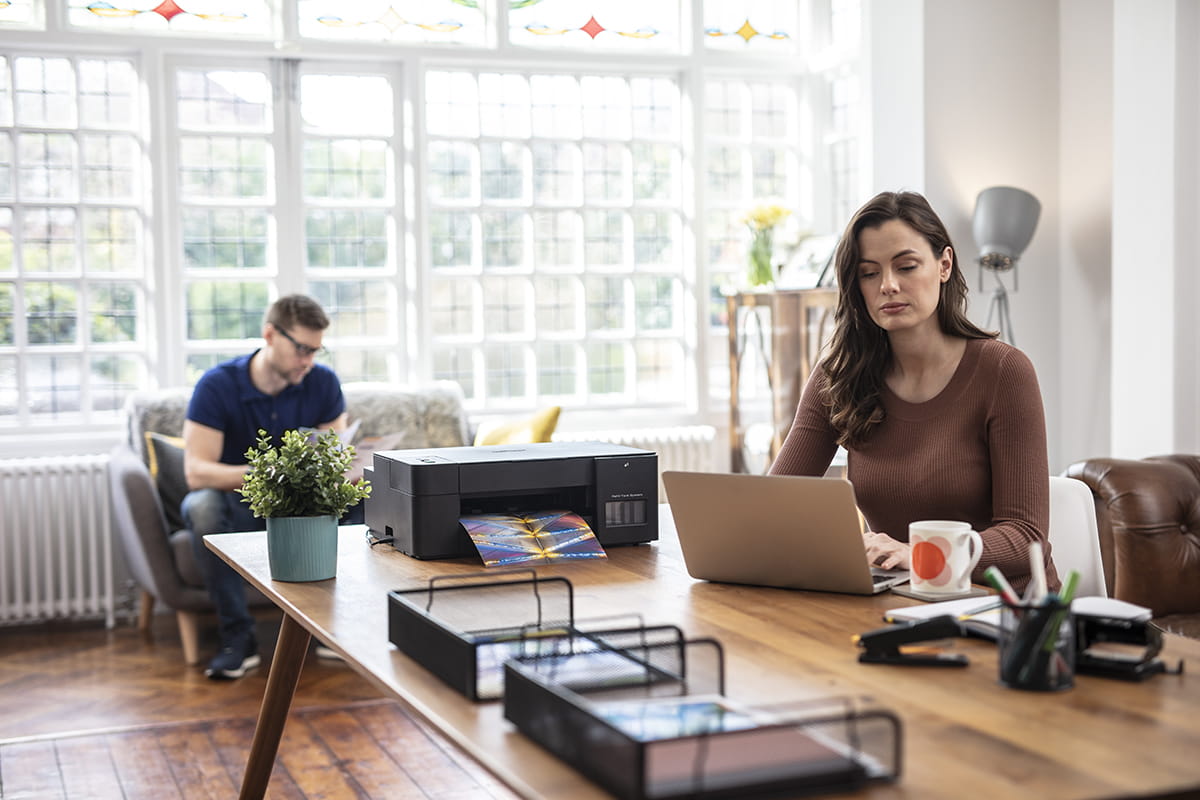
(278, 387)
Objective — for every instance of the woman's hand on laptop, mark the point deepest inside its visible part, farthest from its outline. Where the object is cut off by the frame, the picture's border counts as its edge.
(885, 552)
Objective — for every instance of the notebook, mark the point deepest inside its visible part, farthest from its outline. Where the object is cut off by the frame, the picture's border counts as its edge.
(773, 530)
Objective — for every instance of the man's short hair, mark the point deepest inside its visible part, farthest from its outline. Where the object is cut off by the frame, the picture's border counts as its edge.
(297, 309)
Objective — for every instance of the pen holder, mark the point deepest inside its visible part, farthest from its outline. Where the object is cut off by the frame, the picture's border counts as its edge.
(1036, 647)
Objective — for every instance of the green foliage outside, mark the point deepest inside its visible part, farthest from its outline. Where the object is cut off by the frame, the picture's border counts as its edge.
(302, 478)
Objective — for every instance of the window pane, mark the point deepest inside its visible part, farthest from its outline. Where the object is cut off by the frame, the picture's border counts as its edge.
(112, 378)
(361, 364)
(654, 299)
(110, 167)
(356, 308)
(114, 312)
(507, 371)
(453, 21)
(456, 308)
(215, 17)
(7, 314)
(223, 100)
(49, 240)
(756, 25)
(453, 171)
(112, 240)
(659, 370)
(605, 304)
(507, 306)
(49, 166)
(225, 310)
(452, 239)
(107, 94)
(503, 238)
(558, 369)
(347, 238)
(224, 167)
(360, 105)
(44, 92)
(605, 238)
(629, 25)
(346, 169)
(557, 239)
(51, 312)
(54, 383)
(458, 364)
(225, 237)
(606, 368)
(558, 305)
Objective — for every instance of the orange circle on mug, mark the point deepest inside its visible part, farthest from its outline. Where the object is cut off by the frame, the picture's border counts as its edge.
(928, 560)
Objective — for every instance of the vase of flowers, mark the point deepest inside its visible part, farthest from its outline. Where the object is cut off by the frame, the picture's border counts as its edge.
(761, 221)
(301, 489)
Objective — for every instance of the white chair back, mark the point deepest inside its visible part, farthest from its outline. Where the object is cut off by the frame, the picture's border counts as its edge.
(1074, 537)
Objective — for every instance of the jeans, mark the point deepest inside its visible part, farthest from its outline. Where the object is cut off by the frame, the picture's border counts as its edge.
(208, 511)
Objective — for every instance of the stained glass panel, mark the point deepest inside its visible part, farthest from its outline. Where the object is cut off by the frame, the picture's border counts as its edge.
(216, 17)
(449, 21)
(629, 25)
(22, 14)
(756, 25)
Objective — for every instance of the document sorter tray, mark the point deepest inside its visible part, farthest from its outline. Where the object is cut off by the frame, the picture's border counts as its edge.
(674, 734)
(464, 628)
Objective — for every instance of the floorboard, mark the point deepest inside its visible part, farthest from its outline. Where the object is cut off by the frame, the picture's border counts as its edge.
(88, 712)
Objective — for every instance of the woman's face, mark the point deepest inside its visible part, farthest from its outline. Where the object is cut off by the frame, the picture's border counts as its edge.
(900, 276)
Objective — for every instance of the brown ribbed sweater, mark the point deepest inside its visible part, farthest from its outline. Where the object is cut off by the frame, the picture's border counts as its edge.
(976, 452)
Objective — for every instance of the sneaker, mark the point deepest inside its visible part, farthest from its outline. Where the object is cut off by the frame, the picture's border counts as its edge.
(234, 659)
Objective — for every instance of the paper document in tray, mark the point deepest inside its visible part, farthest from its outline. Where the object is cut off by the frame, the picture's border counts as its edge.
(709, 742)
(527, 536)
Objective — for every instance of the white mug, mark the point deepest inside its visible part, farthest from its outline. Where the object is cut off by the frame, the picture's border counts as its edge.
(942, 556)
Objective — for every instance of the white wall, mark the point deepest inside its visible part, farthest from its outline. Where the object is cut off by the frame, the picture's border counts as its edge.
(991, 119)
(1085, 177)
(1091, 105)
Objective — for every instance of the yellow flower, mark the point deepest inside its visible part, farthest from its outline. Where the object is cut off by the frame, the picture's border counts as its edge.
(765, 217)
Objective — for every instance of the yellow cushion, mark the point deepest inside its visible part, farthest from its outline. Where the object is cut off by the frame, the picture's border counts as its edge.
(537, 428)
(165, 456)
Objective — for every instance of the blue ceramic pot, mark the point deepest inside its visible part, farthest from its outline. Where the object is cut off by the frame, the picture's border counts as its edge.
(302, 548)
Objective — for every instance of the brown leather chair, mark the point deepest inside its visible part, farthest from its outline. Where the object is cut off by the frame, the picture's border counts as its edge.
(1148, 513)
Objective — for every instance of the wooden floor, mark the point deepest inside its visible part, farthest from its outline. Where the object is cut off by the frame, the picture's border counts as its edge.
(86, 712)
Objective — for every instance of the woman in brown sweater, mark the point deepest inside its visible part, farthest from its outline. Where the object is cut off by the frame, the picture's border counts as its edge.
(939, 419)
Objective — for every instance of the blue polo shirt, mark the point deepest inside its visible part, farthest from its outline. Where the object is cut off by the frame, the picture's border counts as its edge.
(226, 399)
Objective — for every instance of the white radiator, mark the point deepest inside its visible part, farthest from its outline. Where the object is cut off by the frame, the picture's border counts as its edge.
(56, 559)
(686, 447)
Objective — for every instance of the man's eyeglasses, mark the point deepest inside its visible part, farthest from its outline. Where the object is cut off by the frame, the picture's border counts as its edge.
(303, 350)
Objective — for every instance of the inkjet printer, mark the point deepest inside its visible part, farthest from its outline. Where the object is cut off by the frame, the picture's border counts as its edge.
(418, 496)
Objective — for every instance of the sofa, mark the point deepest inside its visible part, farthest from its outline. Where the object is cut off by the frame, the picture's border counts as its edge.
(1148, 515)
(146, 482)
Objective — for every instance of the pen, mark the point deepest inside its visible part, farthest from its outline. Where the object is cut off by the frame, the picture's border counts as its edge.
(988, 606)
(996, 578)
(1035, 592)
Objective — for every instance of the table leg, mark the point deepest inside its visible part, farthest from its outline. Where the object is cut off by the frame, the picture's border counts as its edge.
(286, 664)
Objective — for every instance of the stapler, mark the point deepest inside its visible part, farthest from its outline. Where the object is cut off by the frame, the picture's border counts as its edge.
(1125, 649)
(883, 645)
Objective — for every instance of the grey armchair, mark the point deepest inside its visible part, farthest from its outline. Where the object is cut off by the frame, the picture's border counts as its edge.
(159, 551)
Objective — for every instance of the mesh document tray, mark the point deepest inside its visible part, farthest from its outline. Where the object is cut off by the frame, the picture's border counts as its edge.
(463, 628)
(674, 734)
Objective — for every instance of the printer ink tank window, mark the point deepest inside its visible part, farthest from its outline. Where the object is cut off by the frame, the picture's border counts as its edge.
(618, 513)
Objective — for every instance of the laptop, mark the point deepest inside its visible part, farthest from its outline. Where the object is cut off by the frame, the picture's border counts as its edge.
(773, 530)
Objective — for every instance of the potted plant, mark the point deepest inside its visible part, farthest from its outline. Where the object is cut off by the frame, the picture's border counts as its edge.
(301, 489)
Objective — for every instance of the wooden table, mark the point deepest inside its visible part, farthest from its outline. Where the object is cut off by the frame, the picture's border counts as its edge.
(963, 732)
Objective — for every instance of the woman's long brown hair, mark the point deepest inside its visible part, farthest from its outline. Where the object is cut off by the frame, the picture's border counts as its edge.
(859, 351)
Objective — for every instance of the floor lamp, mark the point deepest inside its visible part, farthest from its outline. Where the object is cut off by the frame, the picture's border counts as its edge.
(1004, 221)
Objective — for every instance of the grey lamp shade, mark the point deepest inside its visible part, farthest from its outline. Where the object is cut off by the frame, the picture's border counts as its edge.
(1005, 219)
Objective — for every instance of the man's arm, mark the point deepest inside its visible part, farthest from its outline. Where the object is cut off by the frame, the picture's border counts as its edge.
(202, 465)
(338, 424)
